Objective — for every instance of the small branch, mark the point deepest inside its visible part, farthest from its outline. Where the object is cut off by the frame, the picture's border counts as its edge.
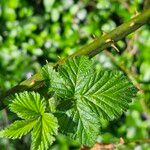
(92, 49)
(117, 34)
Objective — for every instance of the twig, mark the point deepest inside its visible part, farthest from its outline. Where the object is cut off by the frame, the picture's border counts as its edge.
(98, 45)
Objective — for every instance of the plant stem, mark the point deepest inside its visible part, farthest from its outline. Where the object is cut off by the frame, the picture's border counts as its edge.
(92, 49)
(115, 35)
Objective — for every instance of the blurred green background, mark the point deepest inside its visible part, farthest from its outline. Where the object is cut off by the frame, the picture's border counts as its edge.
(35, 31)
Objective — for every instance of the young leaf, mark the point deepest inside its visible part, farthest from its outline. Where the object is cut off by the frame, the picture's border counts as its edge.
(18, 129)
(31, 107)
(52, 105)
(42, 134)
(49, 74)
(75, 73)
(78, 68)
(96, 95)
(27, 105)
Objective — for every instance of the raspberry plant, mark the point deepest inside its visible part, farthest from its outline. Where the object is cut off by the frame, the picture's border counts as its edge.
(80, 98)
(74, 99)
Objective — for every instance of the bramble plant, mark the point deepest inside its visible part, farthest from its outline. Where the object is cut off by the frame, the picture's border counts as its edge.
(72, 97)
(78, 100)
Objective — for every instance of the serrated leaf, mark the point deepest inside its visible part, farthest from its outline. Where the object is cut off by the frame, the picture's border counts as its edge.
(27, 105)
(80, 123)
(109, 92)
(42, 134)
(52, 104)
(49, 74)
(96, 95)
(75, 73)
(31, 107)
(18, 129)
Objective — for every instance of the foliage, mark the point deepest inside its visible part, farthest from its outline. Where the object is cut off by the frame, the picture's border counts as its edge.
(31, 107)
(32, 32)
(91, 97)
(36, 31)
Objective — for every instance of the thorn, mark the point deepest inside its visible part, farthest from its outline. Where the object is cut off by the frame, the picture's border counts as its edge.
(109, 40)
(113, 45)
(32, 82)
(93, 36)
(132, 24)
(59, 57)
(136, 12)
(104, 33)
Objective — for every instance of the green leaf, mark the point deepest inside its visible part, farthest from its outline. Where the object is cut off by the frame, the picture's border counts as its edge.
(49, 74)
(75, 73)
(80, 123)
(27, 105)
(52, 105)
(31, 107)
(42, 134)
(109, 93)
(18, 129)
(95, 96)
